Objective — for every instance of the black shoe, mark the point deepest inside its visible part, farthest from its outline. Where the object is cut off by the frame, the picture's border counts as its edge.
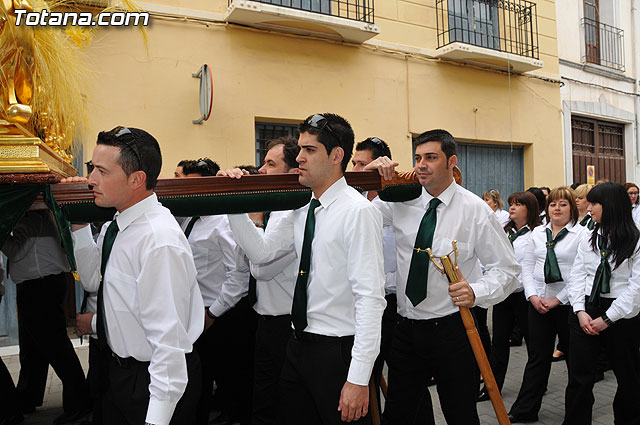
(599, 376)
(558, 358)
(431, 382)
(14, 419)
(483, 395)
(70, 417)
(517, 419)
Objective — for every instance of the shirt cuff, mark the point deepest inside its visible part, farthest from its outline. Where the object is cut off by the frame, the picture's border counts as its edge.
(217, 309)
(614, 314)
(160, 412)
(578, 306)
(480, 292)
(94, 326)
(82, 238)
(359, 372)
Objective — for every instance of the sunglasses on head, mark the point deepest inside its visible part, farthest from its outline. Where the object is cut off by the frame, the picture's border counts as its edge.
(122, 131)
(376, 141)
(319, 122)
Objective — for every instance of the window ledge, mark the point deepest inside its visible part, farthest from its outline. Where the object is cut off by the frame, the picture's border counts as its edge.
(489, 58)
(285, 19)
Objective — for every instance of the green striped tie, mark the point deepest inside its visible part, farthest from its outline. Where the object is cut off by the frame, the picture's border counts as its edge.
(416, 289)
(107, 244)
(299, 307)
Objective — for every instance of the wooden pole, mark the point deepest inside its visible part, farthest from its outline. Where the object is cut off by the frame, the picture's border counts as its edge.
(374, 409)
(450, 269)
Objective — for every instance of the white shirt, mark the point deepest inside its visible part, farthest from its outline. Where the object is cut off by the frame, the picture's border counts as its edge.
(34, 249)
(153, 307)
(635, 213)
(536, 253)
(390, 264)
(346, 279)
(624, 283)
(519, 248)
(223, 271)
(275, 279)
(502, 216)
(464, 217)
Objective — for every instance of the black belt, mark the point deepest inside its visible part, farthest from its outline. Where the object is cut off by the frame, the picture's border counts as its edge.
(125, 361)
(429, 322)
(310, 337)
(267, 318)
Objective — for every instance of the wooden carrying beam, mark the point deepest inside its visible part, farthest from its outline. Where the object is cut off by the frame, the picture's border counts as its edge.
(223, 195)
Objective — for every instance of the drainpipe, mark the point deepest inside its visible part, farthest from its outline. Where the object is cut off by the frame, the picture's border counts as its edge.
(635, 31)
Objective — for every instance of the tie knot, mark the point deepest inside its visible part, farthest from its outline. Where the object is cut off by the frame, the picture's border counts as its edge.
(434, 203)
(314, 204)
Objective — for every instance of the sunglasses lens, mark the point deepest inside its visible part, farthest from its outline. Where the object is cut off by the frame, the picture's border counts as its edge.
(121, 131)
(317, 121)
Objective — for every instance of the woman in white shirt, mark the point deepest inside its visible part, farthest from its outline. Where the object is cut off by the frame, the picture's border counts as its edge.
(632, 191)
(523, 212)
(604, 292)
(493, 198)
(584, 218)
(548, 259)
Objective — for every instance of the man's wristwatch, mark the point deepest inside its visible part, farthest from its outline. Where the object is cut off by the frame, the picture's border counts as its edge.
(606, 319)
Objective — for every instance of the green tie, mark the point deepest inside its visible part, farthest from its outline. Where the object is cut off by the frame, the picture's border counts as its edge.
(107, 244)
(588, 222)
(252, 297)
(299, 308)
(603, 274)
(513, 235)
(551, 269)
(190, 225)
(416, 289)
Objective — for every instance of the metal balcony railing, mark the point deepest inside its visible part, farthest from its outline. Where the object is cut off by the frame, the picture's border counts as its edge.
(356, 10)
(505, 26)
(603, 44)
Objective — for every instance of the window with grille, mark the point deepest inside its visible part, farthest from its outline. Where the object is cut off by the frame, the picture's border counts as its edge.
(597, 143)
(266, 131)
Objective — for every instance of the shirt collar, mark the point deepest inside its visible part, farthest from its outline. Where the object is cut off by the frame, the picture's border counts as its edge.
(445, 197)
(569, 226)
(128, 216)
(332, 193)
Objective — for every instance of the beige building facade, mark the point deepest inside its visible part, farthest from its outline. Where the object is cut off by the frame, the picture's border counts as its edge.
(393, 69)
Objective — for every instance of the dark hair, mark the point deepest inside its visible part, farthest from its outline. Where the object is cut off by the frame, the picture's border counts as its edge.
(185, 162)
(203, 166)
(139, 151)
(542, 200)
(543, 188)
(376, 146)
(628, 186)
(447, 142)
(564, 192)
(336, 133)
(290, 149)
(616, 223)
(574, 186)
(531, 203)
(252, 169)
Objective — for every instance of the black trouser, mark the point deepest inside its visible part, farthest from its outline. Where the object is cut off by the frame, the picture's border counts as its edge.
(8, 395)
(314, 372)
(97, 384)
(127, 397)
(422, 349)
(43, 341)
(389, 322)
(271, 348)
(543, 329)
(622, 343)
(505, 314)
(226, 355)
(480, 316)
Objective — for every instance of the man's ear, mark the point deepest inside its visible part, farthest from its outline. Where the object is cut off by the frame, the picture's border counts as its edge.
(337, 155)
(453, 161)
(138, 179)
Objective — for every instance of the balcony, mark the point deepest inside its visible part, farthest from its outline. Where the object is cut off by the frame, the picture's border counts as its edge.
(344, 20)
(603, 44)
(491, 33)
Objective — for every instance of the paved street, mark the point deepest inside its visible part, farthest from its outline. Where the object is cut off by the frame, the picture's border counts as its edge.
(551, 413)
